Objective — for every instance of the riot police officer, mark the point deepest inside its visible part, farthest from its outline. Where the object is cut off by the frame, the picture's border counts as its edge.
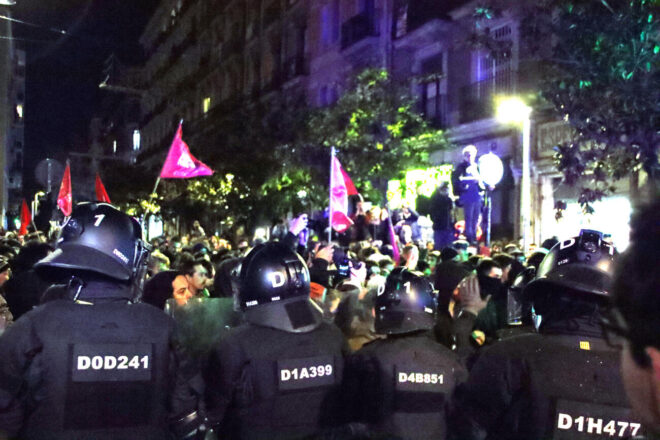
(402, 385)
(94, 364)
(278, 374)
(563, 383)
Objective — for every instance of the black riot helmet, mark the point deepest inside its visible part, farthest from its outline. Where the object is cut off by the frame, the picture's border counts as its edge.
(581, 266)
(274, 289)
(518, 306)
(98, 238)
(405, 303)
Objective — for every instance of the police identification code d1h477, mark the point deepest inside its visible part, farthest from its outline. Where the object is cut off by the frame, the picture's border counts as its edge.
(597, 426)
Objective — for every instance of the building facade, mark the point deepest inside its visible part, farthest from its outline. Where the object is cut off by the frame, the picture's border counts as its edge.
(206, 55)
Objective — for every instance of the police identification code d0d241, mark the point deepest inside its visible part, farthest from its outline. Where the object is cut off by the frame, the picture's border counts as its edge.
(111, 362)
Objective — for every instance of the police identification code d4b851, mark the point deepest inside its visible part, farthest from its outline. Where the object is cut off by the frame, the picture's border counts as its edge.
(421, 379)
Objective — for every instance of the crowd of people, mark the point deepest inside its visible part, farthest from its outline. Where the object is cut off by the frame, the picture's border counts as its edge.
(107, 336)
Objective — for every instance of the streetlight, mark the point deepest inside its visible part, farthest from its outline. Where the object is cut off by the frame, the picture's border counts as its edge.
(514, 110)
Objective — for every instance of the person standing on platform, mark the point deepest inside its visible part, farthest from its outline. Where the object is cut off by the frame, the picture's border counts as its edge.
(469, 186)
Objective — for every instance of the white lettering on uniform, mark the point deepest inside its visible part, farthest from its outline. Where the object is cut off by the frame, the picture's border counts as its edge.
(112, 362)
(276, 279)
(426, 378)
(97, 362)
(564, 421)
(109, 362)
(84, 362)
(594, 424)
(567, 243)
(305, 372)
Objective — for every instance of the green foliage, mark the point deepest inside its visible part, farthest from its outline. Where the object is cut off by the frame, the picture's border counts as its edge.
(376, 131)
(601, 75)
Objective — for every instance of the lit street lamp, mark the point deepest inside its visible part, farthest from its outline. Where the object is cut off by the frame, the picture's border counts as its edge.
(514, 110)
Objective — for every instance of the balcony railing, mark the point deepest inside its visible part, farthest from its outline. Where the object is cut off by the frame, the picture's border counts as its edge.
(358, 28)
(476, 101)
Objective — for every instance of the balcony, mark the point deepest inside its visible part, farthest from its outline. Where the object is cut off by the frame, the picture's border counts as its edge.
(476, 101)
(293, 67)
(358, 28)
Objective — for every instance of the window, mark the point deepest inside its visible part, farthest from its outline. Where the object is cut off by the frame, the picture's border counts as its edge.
(330, 23)
(114, 146)
(206, 105)
(136, 140)
(19, 111)
(434, 99)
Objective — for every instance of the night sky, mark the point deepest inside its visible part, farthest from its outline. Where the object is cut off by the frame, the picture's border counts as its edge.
(63, 72)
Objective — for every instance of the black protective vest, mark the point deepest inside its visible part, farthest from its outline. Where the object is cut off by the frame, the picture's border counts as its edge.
(402, 385)
(548, 387)
(276, 384)
(103, 372)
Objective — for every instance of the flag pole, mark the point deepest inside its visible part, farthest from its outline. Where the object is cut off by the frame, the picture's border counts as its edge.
(161, 170)
(332, 157)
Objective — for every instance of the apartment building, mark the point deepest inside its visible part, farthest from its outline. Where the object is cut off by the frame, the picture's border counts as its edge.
(207, 55)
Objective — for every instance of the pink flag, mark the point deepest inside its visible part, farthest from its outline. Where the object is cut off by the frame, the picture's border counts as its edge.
(180, 164)
(339, 197)
(393, 241)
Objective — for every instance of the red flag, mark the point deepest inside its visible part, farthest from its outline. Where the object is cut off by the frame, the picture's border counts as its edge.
(64, 198)
(101, 194)
(25, 218)
(339, 198)
(350, 188)
(180, 164)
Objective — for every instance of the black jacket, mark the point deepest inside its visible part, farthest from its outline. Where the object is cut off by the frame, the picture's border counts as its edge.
(110, 370)
(402, 385)
(270, 384)
(564, 383)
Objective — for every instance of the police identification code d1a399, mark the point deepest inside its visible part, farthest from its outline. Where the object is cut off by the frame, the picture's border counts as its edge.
(306, 372)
